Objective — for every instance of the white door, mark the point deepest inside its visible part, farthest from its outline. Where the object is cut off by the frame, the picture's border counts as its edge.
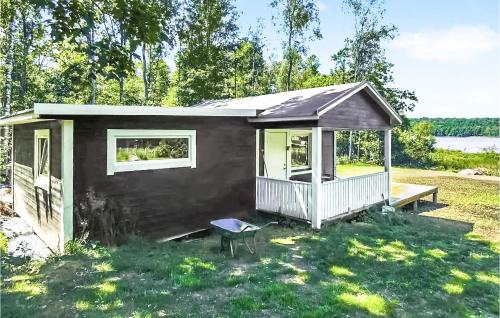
(275, 155)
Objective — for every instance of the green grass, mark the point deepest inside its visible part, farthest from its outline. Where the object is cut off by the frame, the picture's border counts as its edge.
(399, 265)
(456, 160)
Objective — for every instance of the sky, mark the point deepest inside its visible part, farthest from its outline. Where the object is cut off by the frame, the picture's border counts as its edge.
(447, 51)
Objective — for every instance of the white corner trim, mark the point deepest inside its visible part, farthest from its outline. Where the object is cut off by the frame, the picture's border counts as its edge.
(113, 134)
(109, 110)
(67, 147)
(317, 171)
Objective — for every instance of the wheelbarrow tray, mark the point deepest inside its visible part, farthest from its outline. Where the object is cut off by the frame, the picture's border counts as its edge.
(234, 228)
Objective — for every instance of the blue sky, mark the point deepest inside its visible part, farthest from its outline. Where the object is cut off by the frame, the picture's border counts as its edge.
(448, 51)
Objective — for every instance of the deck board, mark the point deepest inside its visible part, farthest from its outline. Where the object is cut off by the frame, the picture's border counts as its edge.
(405, 193)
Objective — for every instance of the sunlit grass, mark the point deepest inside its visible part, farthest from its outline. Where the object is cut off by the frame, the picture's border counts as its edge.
(103, 267)
(436, 253)
(454, 288)
(340, 271)
(374, 304)
(401, 265)
(488, 278)
(29, 288)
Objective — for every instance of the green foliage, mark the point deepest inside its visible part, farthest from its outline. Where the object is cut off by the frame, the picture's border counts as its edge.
(462, 127)
(456, 160)
(207, 33)
(299, 21)
(3, 244)
(413, 146)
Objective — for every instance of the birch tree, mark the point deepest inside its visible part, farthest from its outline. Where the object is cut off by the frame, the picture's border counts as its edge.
(299, 22)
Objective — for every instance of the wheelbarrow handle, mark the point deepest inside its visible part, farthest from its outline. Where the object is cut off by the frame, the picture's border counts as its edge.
(267, 224)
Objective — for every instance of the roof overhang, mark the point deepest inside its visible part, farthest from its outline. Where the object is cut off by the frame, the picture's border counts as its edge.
(23, 117)
(51, 111)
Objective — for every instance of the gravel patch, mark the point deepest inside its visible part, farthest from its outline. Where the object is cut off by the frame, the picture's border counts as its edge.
(22, 242)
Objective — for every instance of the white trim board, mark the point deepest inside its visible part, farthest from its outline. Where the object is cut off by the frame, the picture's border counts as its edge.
(107, 110)
(67, 181)
(113, 134)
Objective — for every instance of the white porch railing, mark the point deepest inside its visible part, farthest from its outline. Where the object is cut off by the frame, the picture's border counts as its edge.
(287, 197)
(294, 198)
(354, 193)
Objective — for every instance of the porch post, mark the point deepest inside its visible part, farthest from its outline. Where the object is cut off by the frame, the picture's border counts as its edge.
(334, 154)
(387, 162)
(317, 171)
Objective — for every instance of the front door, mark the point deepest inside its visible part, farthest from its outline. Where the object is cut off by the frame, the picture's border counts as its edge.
(275, 155)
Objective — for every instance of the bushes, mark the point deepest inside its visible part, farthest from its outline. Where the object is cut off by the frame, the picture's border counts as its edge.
(457, 160)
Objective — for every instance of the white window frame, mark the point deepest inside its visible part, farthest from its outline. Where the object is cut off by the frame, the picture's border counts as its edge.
(41, 181)
(300, 169)
(114, 166)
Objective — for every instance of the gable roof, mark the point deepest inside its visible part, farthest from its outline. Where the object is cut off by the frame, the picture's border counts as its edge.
(304, 104)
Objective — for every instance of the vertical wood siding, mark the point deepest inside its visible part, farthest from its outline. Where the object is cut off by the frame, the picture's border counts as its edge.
(175, 201)
(286, 197)
(358, 112)
(354, 193)
(39, 208)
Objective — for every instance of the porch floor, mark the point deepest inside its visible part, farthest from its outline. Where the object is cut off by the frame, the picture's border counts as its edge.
(405, 193)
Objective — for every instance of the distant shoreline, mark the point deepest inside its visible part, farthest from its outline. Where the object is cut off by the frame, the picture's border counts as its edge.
(462, 127)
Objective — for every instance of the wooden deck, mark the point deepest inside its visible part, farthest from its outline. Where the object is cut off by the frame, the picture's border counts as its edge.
(405, 193)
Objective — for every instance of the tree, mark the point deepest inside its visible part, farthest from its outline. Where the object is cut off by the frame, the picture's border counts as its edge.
(249, 76)
(207, 33)
(299, 23)
(413, 145)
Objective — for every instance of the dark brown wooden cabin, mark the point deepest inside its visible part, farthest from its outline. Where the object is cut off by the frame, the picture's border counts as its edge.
(163, 172)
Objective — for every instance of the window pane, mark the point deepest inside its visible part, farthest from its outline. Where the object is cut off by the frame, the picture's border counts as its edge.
(300, 151)
(43, 156)
(133, 149)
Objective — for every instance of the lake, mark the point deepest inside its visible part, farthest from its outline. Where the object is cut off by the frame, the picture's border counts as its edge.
(468, 144)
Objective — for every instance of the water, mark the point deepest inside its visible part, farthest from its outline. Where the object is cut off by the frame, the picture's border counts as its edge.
(469, 144)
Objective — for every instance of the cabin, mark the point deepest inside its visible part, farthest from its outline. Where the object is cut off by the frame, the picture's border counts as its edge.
(164, 172)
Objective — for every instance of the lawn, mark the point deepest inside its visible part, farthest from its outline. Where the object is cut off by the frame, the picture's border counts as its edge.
(440, 262)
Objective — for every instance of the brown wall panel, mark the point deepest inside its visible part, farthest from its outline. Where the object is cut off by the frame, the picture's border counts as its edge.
(39, 208)
(357, 112)
(173, 201)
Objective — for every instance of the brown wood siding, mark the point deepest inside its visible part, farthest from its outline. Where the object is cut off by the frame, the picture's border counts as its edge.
(174, 201)
(39, 208)
(358, 112)
(327, 153)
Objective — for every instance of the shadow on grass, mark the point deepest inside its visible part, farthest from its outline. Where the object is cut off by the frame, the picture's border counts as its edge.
(379, 266)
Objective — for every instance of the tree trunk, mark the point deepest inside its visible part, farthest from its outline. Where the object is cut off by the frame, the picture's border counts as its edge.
(350, 145)
(145, 73)
(121, 76)
(91, 57)
(9, 64)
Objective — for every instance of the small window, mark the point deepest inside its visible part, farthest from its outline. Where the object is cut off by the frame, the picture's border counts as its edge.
(300, 152)
(130, 150)
(42, 158)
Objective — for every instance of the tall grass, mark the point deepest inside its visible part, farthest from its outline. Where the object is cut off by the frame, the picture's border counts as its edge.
(458, 160)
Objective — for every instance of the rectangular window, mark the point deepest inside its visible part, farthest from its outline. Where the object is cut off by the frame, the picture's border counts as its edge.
(133, 149)
(300, 152)
(42, 158)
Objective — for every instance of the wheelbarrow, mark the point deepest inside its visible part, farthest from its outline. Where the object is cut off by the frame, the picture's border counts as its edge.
(231, 230)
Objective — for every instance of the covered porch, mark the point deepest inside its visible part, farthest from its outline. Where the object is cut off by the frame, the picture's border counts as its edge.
(297, 177)
(297, 154)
